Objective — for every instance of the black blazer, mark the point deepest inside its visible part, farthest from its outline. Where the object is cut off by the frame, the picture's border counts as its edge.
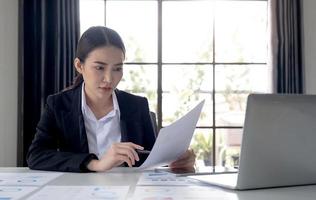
(60, 142)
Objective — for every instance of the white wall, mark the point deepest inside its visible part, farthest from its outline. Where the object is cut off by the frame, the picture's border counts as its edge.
(309, 34)
(8, 81)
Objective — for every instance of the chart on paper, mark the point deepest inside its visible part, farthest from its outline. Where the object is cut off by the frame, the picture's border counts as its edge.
(15, 192)
(27, 179)
(81, 193)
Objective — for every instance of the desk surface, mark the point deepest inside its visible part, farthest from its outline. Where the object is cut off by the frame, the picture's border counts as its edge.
(125, 176)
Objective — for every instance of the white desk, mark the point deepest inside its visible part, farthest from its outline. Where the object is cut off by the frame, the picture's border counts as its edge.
(124, 176)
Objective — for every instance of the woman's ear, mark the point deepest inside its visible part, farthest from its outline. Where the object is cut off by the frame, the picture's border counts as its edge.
(78, 65)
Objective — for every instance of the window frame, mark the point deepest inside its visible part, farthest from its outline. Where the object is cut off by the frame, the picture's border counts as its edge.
(213, 128)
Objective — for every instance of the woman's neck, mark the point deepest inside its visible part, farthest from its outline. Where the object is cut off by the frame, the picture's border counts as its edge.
(100, 107)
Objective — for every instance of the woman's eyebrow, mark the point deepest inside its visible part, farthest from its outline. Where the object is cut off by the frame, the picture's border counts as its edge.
(103, 63)
(100, 62)
(119, 64)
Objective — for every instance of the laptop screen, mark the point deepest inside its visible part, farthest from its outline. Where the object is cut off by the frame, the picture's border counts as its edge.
(278, 141)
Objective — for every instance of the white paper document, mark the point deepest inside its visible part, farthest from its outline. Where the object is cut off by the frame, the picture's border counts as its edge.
(15, 192)
(181, 193)
(163, 179)
(27, 179)
(81, 193)
(173, 140)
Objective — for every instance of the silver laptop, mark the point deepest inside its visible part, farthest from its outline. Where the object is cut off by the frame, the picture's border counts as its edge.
(278, 145)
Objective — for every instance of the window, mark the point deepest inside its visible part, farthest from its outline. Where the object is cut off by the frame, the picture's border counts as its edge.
(181, 52)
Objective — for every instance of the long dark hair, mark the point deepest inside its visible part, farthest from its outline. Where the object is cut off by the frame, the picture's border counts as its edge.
(95, 37)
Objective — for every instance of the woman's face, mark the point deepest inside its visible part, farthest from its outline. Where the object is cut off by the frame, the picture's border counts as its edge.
(102, 71)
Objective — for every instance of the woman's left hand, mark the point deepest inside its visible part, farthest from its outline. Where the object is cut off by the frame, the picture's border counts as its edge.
(187, 160)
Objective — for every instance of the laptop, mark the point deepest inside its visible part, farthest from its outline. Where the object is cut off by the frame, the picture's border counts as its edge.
(278, 145)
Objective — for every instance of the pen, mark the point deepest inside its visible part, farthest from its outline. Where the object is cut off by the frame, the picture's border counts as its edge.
(142, 151)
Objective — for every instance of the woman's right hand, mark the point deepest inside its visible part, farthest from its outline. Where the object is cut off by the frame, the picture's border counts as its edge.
(117, 154)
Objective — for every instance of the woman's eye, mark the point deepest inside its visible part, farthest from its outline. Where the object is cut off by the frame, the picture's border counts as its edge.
(99, 68)
(119, 69)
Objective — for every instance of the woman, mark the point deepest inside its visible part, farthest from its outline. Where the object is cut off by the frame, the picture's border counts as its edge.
(93, 126)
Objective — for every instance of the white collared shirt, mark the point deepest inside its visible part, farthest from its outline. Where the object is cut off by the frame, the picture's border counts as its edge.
(102, 133)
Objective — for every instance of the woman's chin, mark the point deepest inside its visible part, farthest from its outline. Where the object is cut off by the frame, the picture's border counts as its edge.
(104, 92)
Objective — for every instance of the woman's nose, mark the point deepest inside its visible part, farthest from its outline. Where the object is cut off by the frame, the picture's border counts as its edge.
(107, 76)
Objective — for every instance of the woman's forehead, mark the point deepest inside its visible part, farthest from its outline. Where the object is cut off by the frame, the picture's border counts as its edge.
(106, 53)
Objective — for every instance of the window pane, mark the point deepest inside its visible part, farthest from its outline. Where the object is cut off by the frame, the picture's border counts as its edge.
(88, 18)
(202, 145)
(192, 77)
(241, 31)
(233, 84)
(141, 80)
(183, 88)
(173, 107)
(243, 78)
(230, 109)
(228, 143)
(187, 31)
(136, 22)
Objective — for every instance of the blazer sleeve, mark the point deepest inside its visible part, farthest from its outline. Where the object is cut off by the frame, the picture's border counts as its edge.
(44, 151)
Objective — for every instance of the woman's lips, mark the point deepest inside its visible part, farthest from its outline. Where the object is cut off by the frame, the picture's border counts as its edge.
(105, 88)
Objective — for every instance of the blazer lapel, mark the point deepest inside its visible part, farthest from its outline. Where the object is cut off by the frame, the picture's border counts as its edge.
(74, 123)
(124, 137)
(128, 133)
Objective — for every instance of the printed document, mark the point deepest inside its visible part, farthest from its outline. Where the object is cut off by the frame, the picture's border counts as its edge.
(163, 179)
(15, 192)
(27, 179)
(81, 193)
(181, 192)
(173, 140)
